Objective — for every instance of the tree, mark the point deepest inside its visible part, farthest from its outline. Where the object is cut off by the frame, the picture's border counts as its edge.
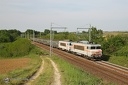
(30, 31)
(96, 35)
(14, 34)
(46, 31)
(5, 36)
(9, 35)
(113, 44)
(55, 32)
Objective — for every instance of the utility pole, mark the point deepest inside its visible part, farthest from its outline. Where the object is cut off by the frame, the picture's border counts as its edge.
(51, 40)
(53, 35)
(89, 30)
(33, 35)
(90, 33)
(40, 34)
(21, 35)
(28, 35)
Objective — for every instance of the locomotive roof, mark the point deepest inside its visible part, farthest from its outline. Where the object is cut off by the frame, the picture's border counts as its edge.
(84, 43)
(88, 44)
(94, 44)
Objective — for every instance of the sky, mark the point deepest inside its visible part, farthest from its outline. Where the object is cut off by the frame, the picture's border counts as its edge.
(107, 15)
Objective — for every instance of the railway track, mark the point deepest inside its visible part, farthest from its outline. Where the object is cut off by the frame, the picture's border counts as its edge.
(105, 70)
(114, 67)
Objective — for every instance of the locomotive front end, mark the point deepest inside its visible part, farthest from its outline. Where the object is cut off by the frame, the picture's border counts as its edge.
(97, 54)
(95, 51)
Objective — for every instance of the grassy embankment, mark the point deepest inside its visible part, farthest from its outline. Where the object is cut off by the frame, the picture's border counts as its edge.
(21, 75)
(120, 56)
(70, 75)
(119, 60)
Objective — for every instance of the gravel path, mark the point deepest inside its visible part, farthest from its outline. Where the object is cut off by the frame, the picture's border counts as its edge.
(56, 76)
(36, 74)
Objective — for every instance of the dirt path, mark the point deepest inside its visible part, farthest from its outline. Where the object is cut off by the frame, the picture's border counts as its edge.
(36, 74)
(56, 76)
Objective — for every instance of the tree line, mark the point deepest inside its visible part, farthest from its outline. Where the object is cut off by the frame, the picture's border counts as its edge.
(9, 35)
(113, 44)
(116, 45)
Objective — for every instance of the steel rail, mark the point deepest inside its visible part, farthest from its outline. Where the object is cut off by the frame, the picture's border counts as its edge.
(102, 70)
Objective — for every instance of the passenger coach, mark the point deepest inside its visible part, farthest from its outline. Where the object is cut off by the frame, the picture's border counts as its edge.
(65, 45)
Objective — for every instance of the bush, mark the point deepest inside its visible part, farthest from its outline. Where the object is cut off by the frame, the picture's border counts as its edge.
(113, 44)
(20, 47)
(4, 50)
(37, 51)
(122, 52)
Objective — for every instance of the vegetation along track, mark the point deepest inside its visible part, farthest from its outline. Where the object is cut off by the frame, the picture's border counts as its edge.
(102, 69)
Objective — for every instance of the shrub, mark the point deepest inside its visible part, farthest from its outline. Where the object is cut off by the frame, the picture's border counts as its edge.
(20, 47)
(4, 51)
(122, 52)
(113, 44)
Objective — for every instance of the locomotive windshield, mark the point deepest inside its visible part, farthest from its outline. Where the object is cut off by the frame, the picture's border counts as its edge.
(98, 47)
(94, 47)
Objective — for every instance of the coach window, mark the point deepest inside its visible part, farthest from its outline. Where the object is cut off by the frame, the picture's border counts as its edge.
(87, 47)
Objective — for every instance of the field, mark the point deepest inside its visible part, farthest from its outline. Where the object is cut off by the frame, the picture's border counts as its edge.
(18, 70)
(114, 33)
(7, 65)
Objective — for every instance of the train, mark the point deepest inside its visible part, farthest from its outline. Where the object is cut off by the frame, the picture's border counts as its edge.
(82, 48)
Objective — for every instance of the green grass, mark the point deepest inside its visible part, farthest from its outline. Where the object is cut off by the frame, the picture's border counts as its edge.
(46, 77)
(72, 75)
(120, 60)
(19, 76)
